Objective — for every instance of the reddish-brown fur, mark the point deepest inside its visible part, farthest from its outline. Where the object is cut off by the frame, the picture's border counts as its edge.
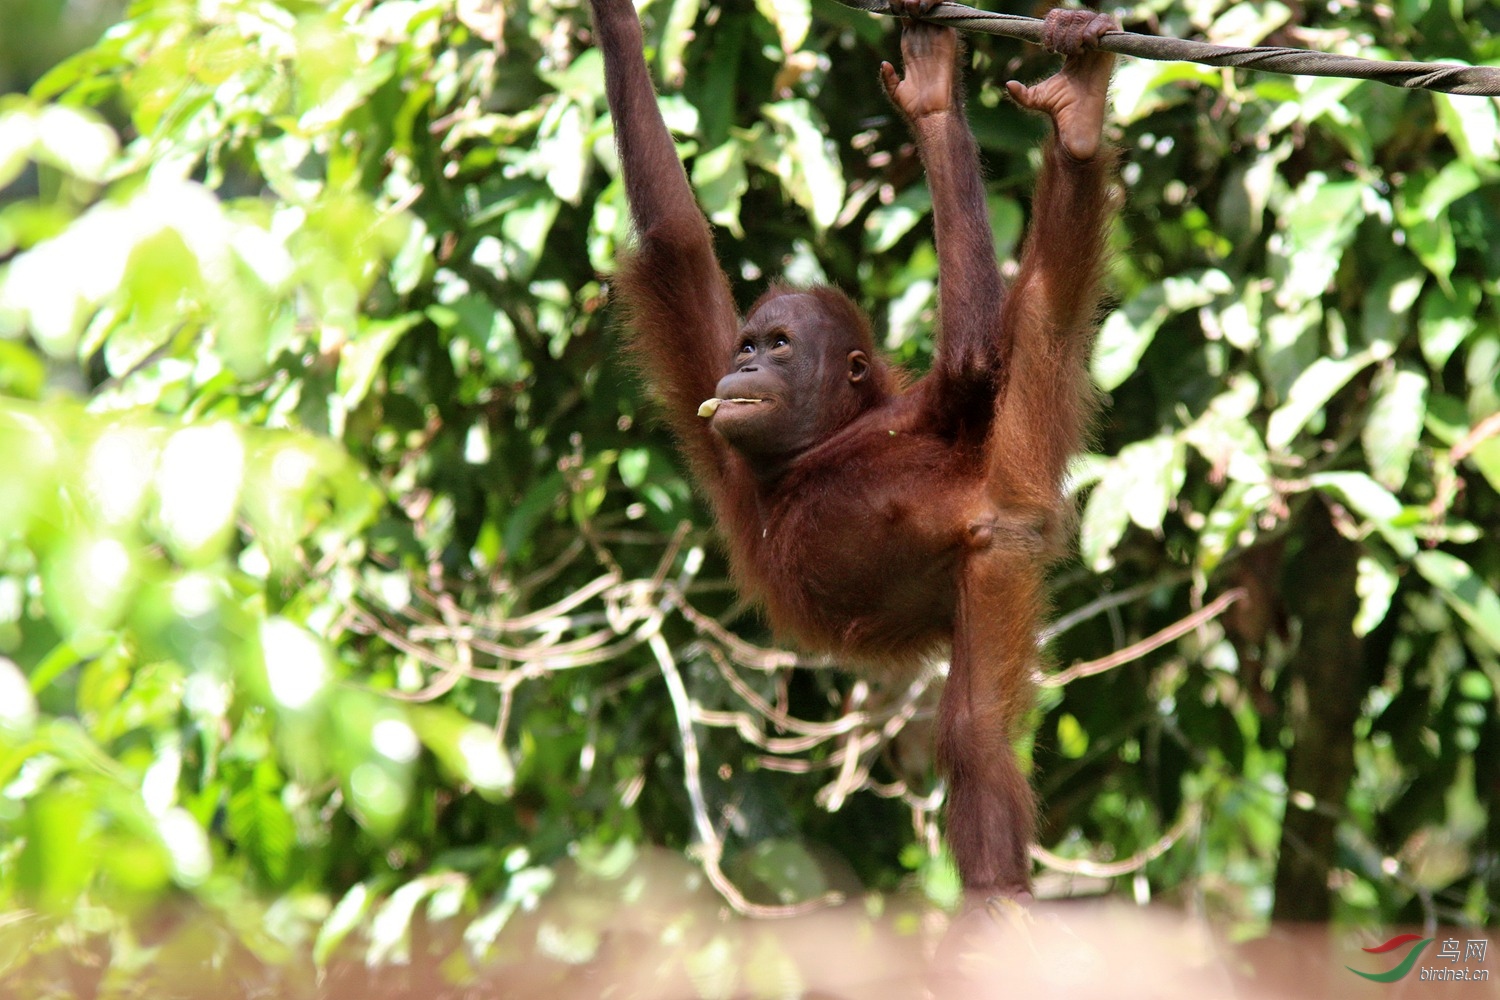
(925, 521)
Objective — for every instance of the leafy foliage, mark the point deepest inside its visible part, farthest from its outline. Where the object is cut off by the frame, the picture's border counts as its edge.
(349, 592)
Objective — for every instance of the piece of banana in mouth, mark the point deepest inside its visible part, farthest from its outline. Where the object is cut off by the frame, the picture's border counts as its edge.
(710, 406)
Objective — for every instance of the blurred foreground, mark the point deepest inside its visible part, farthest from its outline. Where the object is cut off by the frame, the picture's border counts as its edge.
(658, 930)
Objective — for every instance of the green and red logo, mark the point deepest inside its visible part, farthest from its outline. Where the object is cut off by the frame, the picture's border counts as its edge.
(1407, 963)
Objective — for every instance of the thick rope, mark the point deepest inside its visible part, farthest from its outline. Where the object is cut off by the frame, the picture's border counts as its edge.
(1481, 81)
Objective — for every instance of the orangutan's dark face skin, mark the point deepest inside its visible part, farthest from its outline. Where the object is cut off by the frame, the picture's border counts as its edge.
(796, 376)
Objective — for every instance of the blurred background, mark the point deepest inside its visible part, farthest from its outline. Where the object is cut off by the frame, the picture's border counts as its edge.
(359, 631)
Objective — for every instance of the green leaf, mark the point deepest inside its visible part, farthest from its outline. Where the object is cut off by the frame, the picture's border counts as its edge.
(1323, 97)
(792, 18)
(886, 224)
(412, 263)
(1422, 209)
(87, 582)
(1072, 739)
(1474, 601)
(712, 968)
(1454, 181)
(1289, 343)
(1248, 23)
(1472, 126)
(675, 36)
(198, 487)
(75, 141)
(634, 464)
(582, 81)
(1007, 221)
(720, 180)
(1373, 502)
(360, 359)
(17, 136)
(1447, 418)
(1105, 518)
(1224, 435)
(681, 117)
(786, 869)
(654, 475)
(1127, 332)
(22, 372)
(284, 161)
(1476, 686)
(563, 149)
(52, 288)
(1310, 393)
(1138, 486)
(33, 459)
(186, 853)
(1242, 206)
(1142, 87)
(1153, 471)
(1231, 523)
(1386, 316)
(1447, 319)
(1433, 243)
(806, 160)
(541, 499)
(523, 891)
(58, 848)
(1375, 583)
(1486, 458)
(590, 486)
(1318, 221)
(295, 665)
(773, 968)
(347, 915)
(1394, 426)
(465, 748)
(258, 822)
(336, 80)
(18, 710)
(939, 879)
(390, 930)
(525, 228)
